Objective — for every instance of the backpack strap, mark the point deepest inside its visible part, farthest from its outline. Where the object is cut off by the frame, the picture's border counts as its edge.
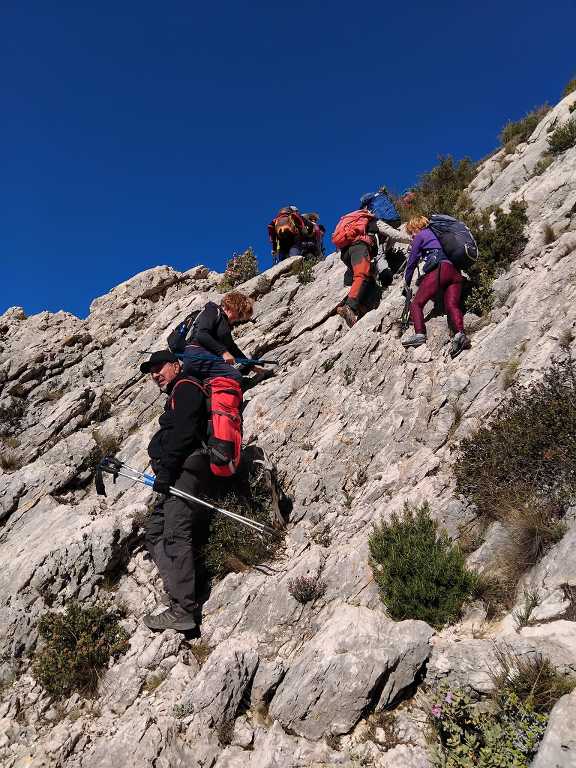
(182, 381)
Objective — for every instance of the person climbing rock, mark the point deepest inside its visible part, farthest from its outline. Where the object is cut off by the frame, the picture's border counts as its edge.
(286, 232)
(441, 278)
(178, 459)
(313, 237)
(210, 355)
(358, 235)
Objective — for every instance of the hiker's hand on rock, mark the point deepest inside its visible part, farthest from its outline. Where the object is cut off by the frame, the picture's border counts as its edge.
(161, 486)
(229, 358)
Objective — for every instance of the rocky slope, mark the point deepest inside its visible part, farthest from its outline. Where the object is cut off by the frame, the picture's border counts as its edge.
(355, 427)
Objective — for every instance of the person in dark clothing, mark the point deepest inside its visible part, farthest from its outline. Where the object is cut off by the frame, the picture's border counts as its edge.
(313, 238)
(178, 459)
(440, 278)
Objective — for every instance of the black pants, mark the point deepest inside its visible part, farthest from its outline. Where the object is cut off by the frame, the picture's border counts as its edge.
(173, 528)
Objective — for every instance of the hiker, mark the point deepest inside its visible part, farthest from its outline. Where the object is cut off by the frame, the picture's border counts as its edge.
(440, 279)
(178, 459)
(359, 235)
(286, 232)
(313, 238)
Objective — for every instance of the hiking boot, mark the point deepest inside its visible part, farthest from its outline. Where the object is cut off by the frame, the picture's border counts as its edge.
(415, 341)
(458, 344)
(173, 618)
(347, 314)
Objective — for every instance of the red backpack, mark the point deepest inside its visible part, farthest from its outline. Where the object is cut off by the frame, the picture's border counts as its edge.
(352, 229)
(224, 444)
(288, 223)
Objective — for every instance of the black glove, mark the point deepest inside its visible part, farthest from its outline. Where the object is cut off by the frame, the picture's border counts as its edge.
(161, 485)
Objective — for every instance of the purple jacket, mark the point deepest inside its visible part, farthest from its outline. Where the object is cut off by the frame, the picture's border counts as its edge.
(424, 240)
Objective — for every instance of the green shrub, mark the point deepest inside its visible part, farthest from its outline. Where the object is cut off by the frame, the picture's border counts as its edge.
(77, 646)
(441, 189)
(563, 138)
(232, 547)
(240, 268)
(570, 88)
(545, 162)
(420, 573)
(514, 133)
(305, 270)
(501, 239)
(531, 678)
(508, 734)
(520, 469)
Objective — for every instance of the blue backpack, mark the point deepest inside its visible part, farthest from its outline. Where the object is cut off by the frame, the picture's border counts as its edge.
(381, 206)
(456, 240)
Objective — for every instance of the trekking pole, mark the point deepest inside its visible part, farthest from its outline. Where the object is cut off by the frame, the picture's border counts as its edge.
(239, 360)
(405, 318)
(118, 468)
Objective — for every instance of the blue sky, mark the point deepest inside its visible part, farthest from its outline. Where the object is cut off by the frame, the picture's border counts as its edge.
(135, 134)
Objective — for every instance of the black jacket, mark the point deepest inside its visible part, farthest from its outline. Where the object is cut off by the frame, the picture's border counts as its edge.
(182, 428)
(212, 330)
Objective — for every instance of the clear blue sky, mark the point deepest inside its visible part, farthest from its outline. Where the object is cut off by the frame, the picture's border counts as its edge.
(135, 134)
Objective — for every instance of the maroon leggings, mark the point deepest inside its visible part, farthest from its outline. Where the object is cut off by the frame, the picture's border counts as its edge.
(445, 278)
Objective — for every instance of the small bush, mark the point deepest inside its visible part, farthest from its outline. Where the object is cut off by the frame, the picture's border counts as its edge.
(107, 445)
(323, 536)
(500, 243)
(305, 270)
(570, 88)
(77, 646)
(306, 589)
(420, 573)
(514, 133)
(532, 678)
(563, 138)
(549, 234)
(233, 547)
(523, 615)
(545, 162)
(240, 268)
(201, 652)
(9, 460)
(441, 189)
(520, 469)
(508, 734)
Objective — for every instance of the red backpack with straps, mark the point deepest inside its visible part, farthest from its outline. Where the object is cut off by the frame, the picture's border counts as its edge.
(224, 446)
(352, 229)
(288, 223)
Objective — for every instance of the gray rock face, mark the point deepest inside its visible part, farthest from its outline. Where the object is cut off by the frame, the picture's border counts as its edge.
(359, 658)
(558, 748)
(355, 426)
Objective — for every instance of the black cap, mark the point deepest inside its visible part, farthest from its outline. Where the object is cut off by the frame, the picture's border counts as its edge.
(162, 356)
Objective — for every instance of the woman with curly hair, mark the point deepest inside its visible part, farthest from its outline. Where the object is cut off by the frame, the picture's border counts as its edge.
(440, 278)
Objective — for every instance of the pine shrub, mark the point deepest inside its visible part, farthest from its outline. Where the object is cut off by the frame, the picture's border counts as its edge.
(421, 574)
(77, 646)
(514, 133)
(240, 268)
(441, 189)
(563, 138)
(570, 88)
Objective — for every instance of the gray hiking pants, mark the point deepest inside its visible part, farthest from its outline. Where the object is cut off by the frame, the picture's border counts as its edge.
(174, 526)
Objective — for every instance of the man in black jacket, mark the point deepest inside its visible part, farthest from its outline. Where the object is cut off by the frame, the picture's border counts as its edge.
(177, 459)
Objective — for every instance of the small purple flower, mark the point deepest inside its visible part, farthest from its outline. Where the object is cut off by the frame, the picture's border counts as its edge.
(436, 710)
(448, 698)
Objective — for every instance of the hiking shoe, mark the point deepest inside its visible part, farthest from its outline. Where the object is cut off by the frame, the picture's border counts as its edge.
(173, 618)
(347, 314)
(415, 341)
(458, 344)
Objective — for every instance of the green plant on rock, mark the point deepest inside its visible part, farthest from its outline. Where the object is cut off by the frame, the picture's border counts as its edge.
(516, 132)
(520, 468)
(240, 268)
(232, 547)
(563, 138)
(467, 735)
(545, 162)
(77, 646)
(421, 574)
(569, 88)
(441, 189)
(305, 270)
(306, 589)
